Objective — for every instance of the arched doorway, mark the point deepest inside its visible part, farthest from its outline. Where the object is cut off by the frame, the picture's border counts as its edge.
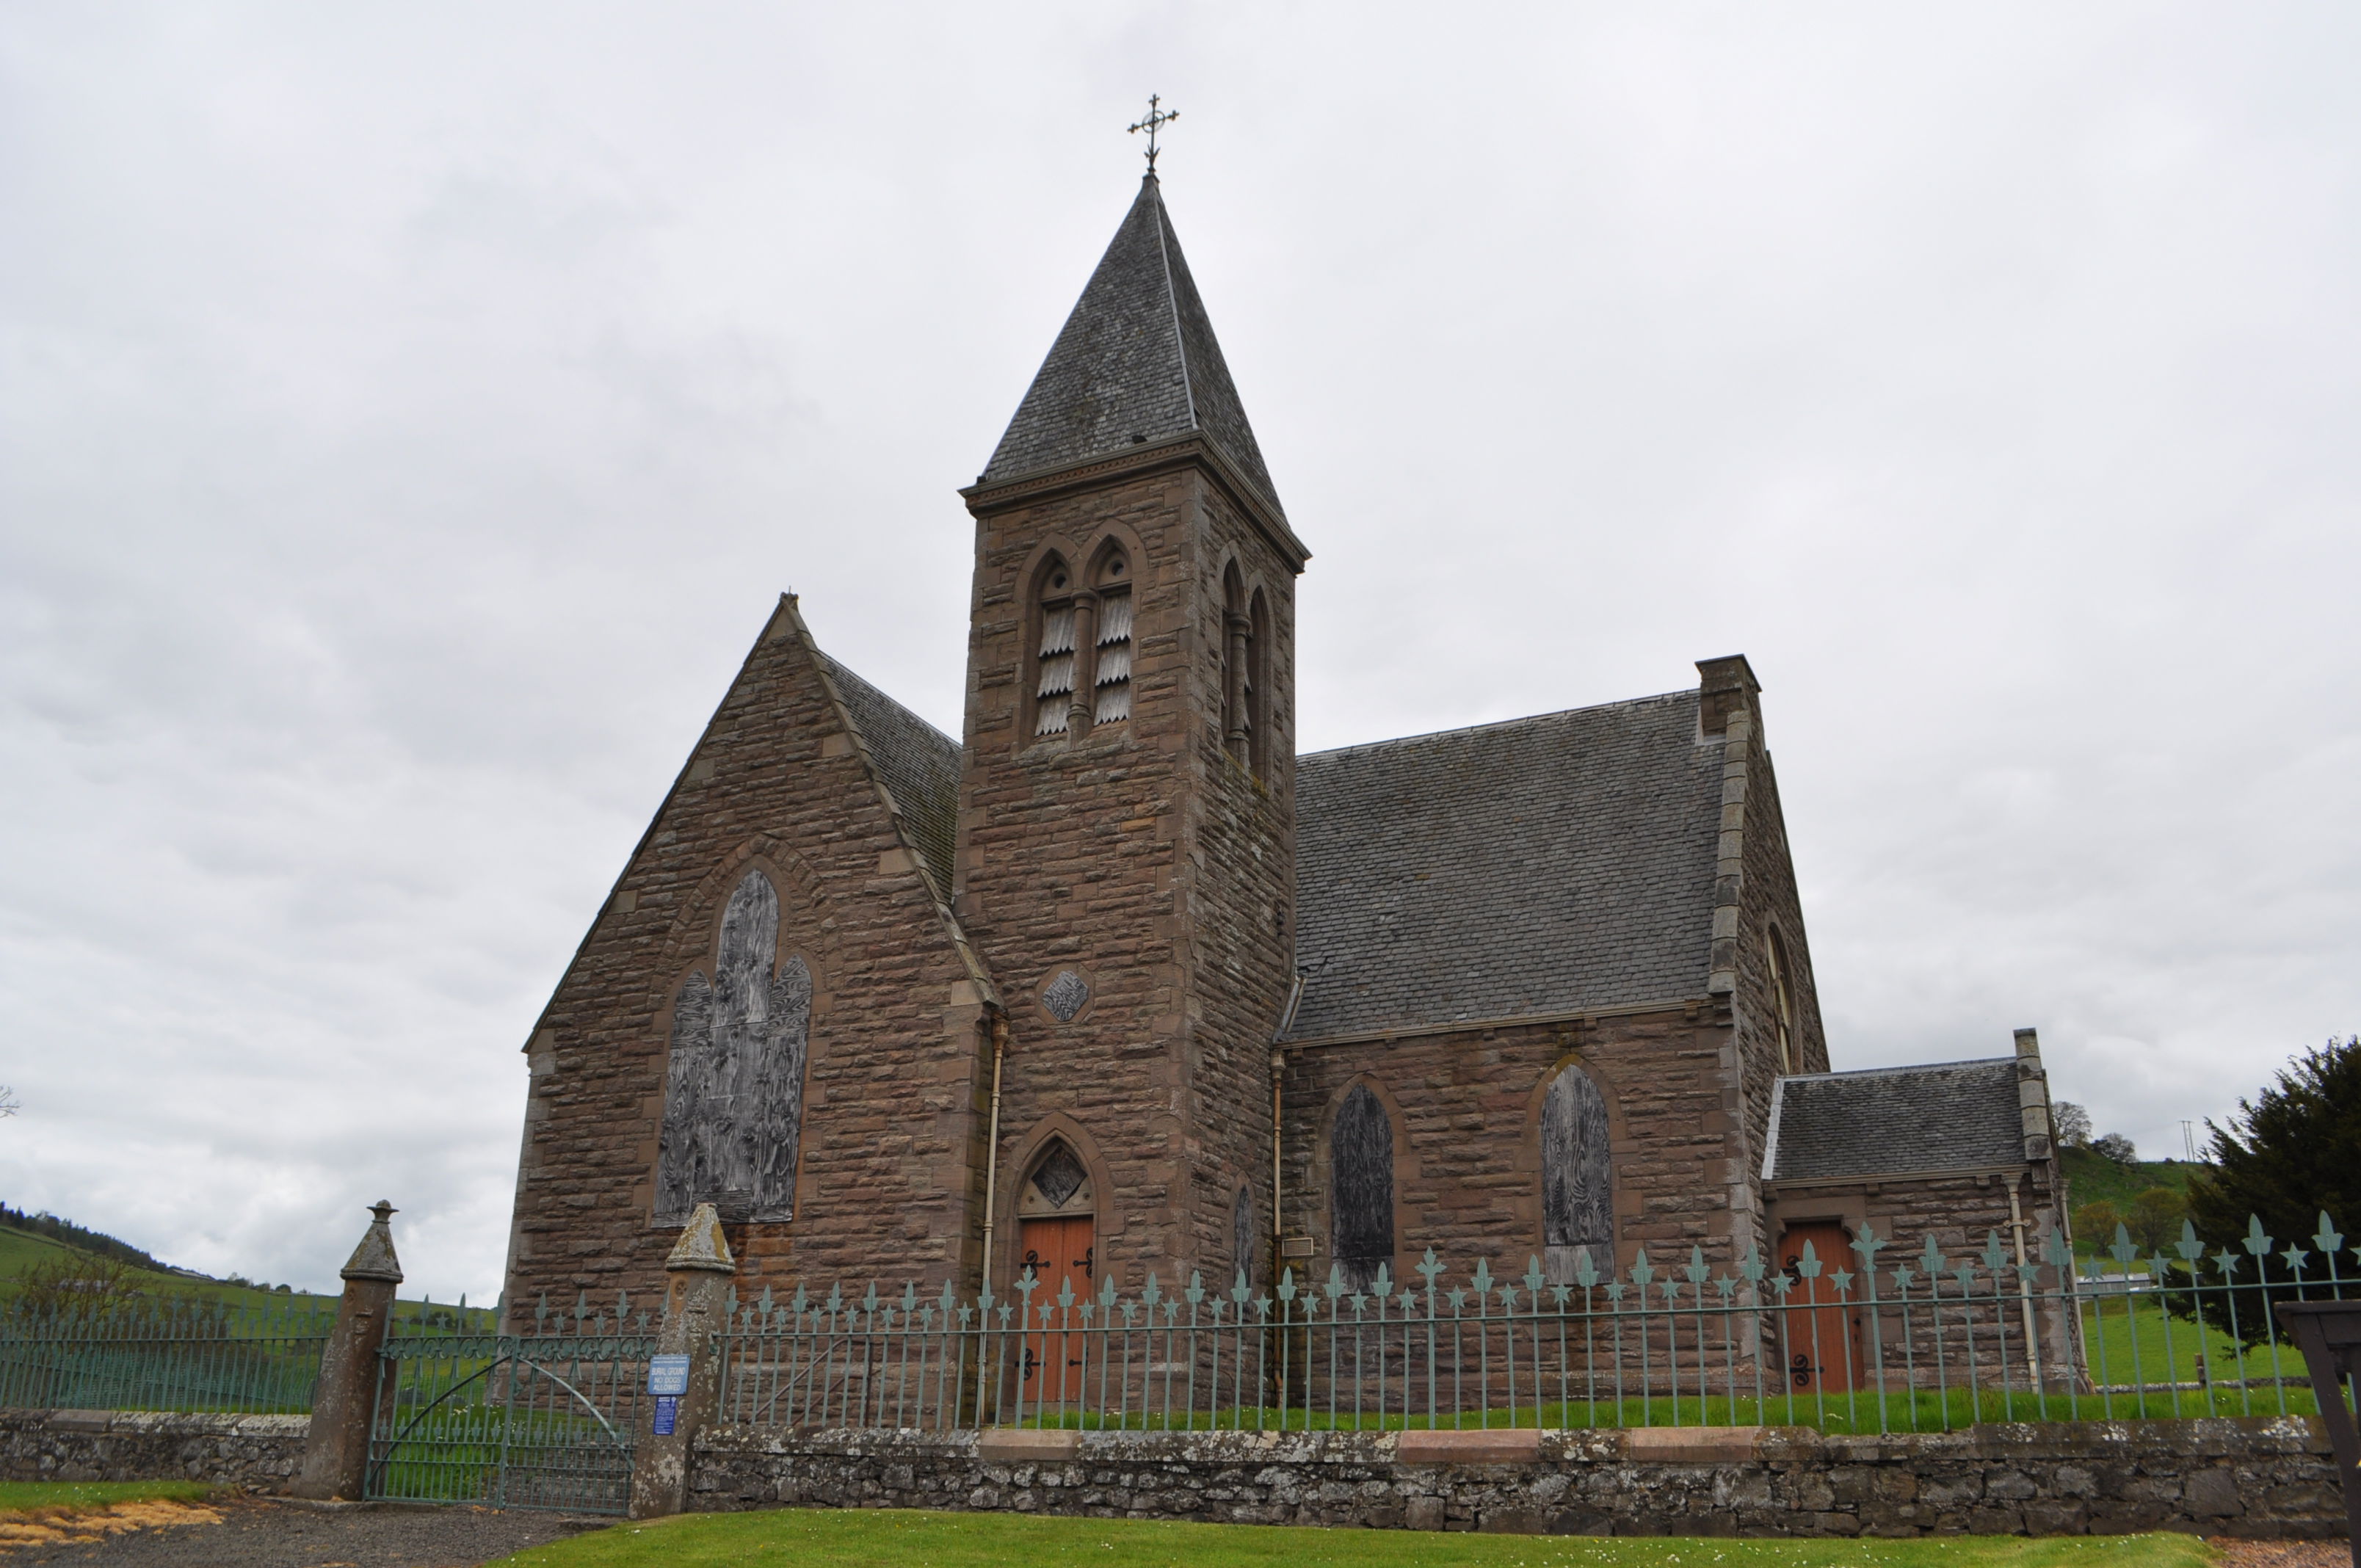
(1057, 1240)
(1818, 1332)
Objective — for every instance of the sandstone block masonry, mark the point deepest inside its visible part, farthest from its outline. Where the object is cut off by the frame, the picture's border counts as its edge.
(2243, 1477)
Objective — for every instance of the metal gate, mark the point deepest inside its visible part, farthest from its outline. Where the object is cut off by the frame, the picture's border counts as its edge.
(509, 1421)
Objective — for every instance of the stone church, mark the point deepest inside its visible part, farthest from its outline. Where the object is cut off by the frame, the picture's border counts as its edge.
(1117, 982)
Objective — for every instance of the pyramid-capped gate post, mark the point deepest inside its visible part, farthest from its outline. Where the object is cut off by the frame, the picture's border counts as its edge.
(2329, 1334)
(685, 1378)
(336, 1449)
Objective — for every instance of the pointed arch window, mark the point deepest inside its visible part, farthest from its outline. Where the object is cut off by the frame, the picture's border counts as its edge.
(1241, 686)
(1242, 1236)
(1577, 1184)
(1361, 1182)
(734, 1084)
(1782, 1000)
(1083, 666)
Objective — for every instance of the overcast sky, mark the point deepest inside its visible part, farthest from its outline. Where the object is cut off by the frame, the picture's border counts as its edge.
(409, 413)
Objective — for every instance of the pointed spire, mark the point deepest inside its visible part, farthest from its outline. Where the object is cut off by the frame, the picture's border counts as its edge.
(1136, 362)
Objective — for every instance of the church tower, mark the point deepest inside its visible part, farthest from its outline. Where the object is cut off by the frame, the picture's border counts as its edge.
(1126, 821)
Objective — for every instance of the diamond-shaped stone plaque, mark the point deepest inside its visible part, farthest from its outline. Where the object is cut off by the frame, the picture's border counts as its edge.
(1065, 996)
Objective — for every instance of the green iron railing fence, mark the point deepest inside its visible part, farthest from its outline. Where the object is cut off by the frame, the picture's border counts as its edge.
(541, 1420)
(1920, 1342)
(165, 1356)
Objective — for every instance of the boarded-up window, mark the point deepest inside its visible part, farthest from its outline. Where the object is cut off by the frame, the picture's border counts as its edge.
(1361, 1178)
(734, 1086)
(1242, 1236)
(1577, 1205)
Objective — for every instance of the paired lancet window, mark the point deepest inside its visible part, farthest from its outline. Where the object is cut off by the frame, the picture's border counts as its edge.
(734, 1087)
(1245, 681)
(1083, 669)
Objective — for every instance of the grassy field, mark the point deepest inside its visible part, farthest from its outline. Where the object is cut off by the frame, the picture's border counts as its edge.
(2095, 1177)
(844, 1538)
(22, 1496)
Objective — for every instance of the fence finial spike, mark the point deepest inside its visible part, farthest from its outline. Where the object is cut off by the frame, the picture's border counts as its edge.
(2256, 1242)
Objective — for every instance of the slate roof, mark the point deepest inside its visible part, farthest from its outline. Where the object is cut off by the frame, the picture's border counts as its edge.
(1543, 865)
(919, 765)
(1885, 1121)
(1136, 361)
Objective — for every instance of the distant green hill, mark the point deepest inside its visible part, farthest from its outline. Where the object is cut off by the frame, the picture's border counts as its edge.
(2090, 1176)
(80, 1238)
(23, 1250)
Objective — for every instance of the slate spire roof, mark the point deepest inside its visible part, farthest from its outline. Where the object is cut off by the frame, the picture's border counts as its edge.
(1136, 362)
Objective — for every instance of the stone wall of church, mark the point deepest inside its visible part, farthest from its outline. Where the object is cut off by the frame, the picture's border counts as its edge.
(1768, 899)
(890, 1145)
(1962, 1213)
(1143, 860)
(1239, 882)
(1467, 1111)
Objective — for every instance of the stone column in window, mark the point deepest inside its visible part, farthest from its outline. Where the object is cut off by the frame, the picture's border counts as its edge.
(1086, 664)
(1234, 686)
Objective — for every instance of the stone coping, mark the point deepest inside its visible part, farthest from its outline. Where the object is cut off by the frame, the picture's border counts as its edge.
(2214, 1436)
(160, 1423)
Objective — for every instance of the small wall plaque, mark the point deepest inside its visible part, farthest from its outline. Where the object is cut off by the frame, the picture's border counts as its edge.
(667, 1375)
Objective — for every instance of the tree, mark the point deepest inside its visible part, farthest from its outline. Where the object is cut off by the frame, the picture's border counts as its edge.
(2116, 1147)
(2071, 1125)
(2155, 1218)
(2290, 1156)
(2095, 1222)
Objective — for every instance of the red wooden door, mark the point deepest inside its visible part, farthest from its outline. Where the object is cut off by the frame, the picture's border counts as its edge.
(1059, 1252)
(1819, 1335)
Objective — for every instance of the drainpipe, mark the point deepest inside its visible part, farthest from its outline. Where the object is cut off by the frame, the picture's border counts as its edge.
(992, 1148)
(2024, 1291)
(1277, 1071)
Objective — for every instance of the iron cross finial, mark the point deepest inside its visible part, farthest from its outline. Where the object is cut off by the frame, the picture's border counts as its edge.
(1156, 116)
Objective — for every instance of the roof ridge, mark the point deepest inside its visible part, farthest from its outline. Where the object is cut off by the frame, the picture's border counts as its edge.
(1905, 1067)
(1172, 301)
(1689, 692)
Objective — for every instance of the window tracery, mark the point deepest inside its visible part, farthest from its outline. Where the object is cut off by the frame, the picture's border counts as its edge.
(1578, 1187)
(734, 1084)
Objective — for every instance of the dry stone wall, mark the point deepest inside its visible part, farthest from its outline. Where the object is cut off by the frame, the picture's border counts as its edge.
(258, 1453)
(2253, 1478)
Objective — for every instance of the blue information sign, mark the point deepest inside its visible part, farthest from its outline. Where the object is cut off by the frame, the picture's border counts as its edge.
(667, 1414)
(668, 1375)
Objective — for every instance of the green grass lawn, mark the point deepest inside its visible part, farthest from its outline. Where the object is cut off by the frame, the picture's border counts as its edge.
(831, 1538)
(2144, 1346)
(19, 1497)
